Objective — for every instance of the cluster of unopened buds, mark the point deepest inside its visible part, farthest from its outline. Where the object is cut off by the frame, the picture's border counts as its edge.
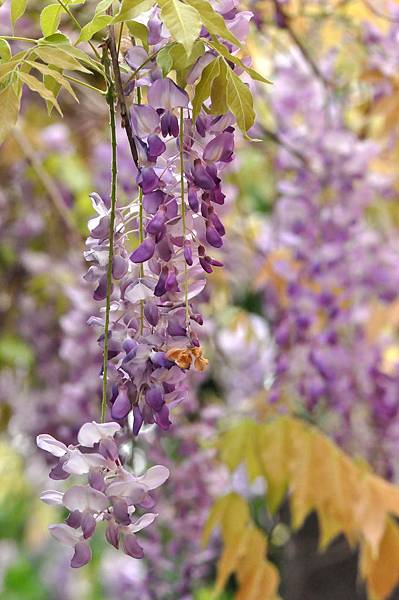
(111, 493)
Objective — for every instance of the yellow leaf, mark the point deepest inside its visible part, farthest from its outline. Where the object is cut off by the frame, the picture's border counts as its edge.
(382, 572)
(183, 22)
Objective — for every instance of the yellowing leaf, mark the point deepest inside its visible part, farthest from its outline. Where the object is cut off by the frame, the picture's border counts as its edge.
(295, 457)
(10, 98)
(183, 22)
(244, 551)
(37, 86)
(55, 75)
(231, 513)
(50, 18)
(59, 58)
(239, 446)
(382, 572)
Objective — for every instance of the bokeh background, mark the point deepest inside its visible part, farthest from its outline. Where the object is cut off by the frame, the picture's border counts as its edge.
(303, 319)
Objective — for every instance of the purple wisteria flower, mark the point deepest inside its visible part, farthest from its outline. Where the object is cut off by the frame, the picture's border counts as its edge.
(112, 493)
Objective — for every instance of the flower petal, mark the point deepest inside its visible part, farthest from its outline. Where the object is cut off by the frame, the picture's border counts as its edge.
(82, 555)
(143, 522)
(154, 477)
(50, 444)
(64, 534)
(52, 497)
(81, 497)
(91, 433)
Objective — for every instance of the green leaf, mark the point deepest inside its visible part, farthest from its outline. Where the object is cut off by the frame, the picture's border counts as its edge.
(53, 86)
(130, 9)
(103, 6)
(204, 86)
(239, 100)
(164, 60)
(37, 86)
(50, 19)
(60, 58)
(182, 60)
(183, 22)
(10, 98)
(55, 38)
(7, 67)
(18, 8)
(45, 70)
(139, 32)
(218, 91)
(213, 22)
(222, 50)
(94, 26)
(5, 51)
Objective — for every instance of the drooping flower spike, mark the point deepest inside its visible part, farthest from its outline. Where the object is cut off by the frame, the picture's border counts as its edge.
(110, 493)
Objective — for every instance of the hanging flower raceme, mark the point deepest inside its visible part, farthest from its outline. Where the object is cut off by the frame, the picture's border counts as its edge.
(110, 493)
(182, 146)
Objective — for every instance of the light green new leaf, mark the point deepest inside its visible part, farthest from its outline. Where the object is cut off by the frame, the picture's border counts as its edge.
(60, 58)
(37, 86)
(213, 22)
(10, 98)
(183, 22)
(139, 32)
(5, 51)
(222, 50)
(103, 6)
(18, 8)
(50, 19)
(164, 60)
(94, 26)
(130, 9)
(204, 86)
(55, 75)
(239, 100)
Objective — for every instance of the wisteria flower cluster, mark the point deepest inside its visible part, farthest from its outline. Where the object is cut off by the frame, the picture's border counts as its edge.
(153, 337)
(111, 492)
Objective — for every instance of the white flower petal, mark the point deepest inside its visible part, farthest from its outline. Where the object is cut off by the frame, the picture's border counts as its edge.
(91, 433)
(126, 489)
(82, 497)
(53, 497)
(48, 443)
(143, 522)
(154, 477)
(65, 534)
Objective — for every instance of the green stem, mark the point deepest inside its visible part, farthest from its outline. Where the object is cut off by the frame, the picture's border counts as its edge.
(18, 39)
(183, 212)
(141, 234)
(84, 84)
(78, 25)
(111, 104)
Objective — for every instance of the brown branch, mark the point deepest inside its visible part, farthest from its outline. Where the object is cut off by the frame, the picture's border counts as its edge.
(284, 23)
(125, 115)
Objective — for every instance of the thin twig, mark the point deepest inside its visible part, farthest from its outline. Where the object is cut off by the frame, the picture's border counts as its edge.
(274, 137)
(48, 184)
(125, 115)
(303, 50)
